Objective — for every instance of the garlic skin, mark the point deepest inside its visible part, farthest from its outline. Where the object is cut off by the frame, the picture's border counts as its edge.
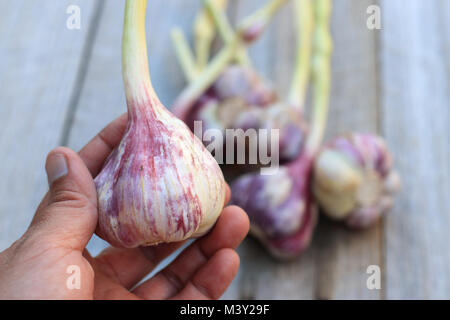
(354, 180)
(159, 184)
(234, 91)
(242, 82)
(280, 207)
(281, 116)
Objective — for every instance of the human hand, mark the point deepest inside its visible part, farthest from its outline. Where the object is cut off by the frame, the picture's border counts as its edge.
(40, 263)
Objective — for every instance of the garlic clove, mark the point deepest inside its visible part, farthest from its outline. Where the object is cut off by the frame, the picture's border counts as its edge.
(335, 173)
(337, 205)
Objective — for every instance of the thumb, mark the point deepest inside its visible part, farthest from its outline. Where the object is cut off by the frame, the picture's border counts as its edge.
(69, 216)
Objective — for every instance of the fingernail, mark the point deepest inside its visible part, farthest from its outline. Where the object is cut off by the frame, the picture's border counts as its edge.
(56, 167)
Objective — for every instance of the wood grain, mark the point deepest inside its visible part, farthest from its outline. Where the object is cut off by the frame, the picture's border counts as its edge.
(415, 81)
(40, 60)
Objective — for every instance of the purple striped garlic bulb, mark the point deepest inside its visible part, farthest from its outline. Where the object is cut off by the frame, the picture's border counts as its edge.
(160, 184)
(280, 207)
(235, 90)
(354, 180)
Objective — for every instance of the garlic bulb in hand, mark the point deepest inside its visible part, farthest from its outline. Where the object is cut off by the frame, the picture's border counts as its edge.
(354, 179)
(160, 184)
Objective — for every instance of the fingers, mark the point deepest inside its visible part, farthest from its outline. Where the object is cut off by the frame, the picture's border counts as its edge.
(98, 149)
(69, 215)
(213, 278)
(128, 266)
(229, 231)
(227, 194)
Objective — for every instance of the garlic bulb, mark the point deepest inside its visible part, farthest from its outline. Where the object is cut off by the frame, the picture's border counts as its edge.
(291, 126)
(160, 184)
(245, 83)
(354, 179)
(240, 99)
(280, 207)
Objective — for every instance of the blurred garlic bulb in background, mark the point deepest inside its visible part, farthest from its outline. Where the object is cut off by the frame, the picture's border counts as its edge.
(354, 180)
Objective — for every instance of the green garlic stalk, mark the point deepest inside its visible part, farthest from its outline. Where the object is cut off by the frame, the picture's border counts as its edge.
(226, 31)
(248, 30)
(320, 72)
(254, 25)
(305, 24)
(204, 33)
(184, 54)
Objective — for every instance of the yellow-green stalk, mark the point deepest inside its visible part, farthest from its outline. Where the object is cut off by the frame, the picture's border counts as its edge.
(255, 24)
(225, 30)
(184, 54)
(135, 69)
(304, 17)
(246, 30)
(204, 33)
(320, 72)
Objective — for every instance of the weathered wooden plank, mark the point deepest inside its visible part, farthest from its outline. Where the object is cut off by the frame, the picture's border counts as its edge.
(102, 98)
(415, 79)
(39, 64)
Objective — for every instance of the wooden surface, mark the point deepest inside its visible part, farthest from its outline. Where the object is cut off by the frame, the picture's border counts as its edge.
(60, 86)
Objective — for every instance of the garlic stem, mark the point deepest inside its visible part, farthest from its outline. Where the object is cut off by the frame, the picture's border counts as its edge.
(194, 90)
(304, 17)
(226, 31)
(203, 81)
(320, 71)
(259, 20)
(135, 71)
(184, 54)
(204, 33)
